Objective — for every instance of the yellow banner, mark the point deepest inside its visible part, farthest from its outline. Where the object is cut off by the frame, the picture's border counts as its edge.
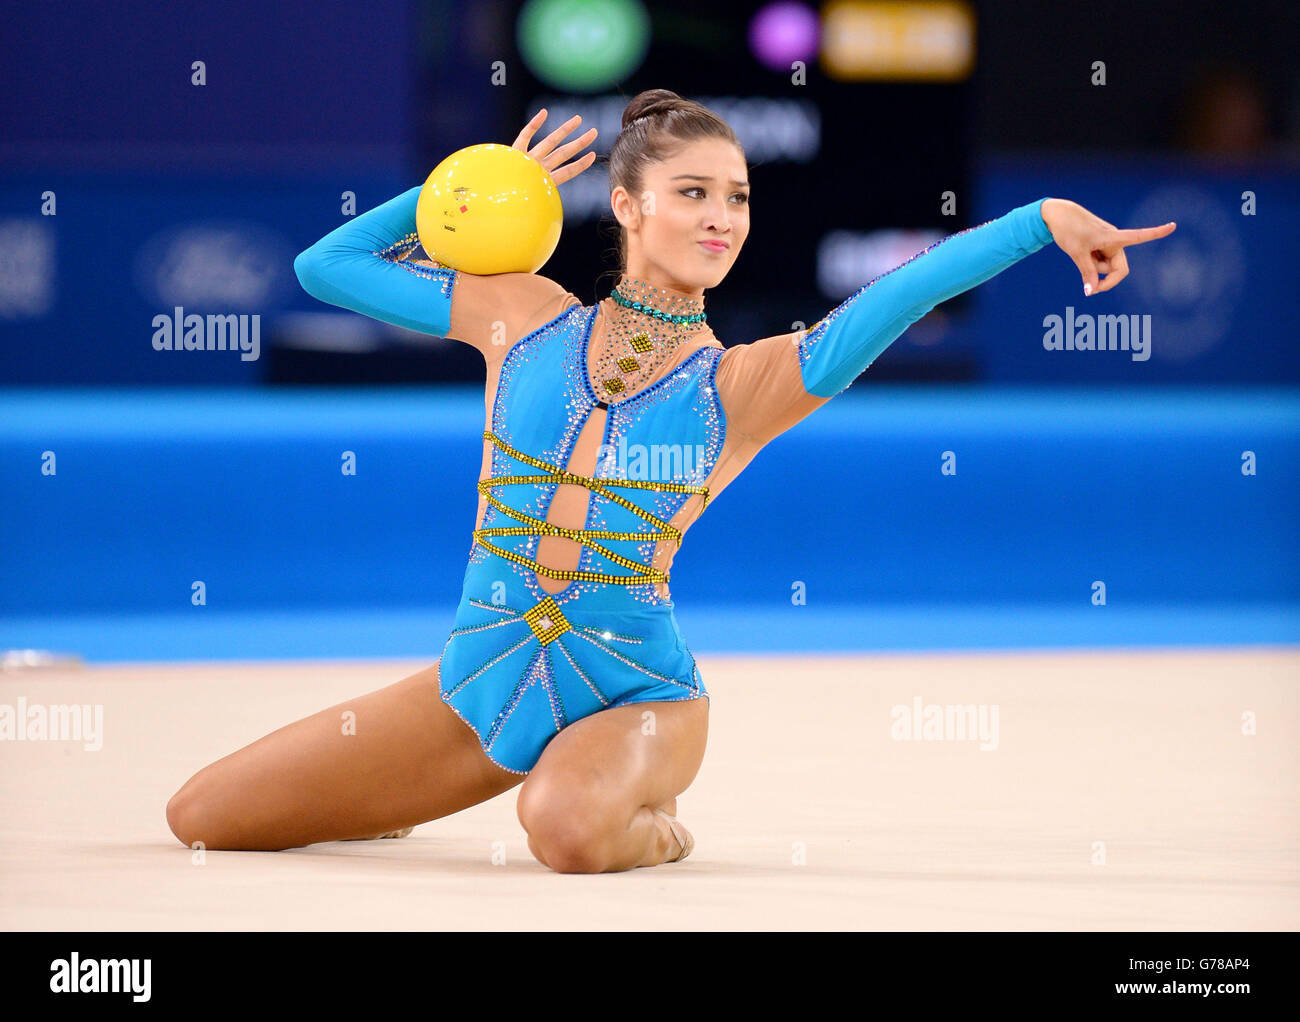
(929, 40)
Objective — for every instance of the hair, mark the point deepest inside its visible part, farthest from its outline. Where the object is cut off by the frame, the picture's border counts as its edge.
(656, 123)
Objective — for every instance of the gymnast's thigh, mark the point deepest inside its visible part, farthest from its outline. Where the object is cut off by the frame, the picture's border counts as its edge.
(392, 758)
(617, 760)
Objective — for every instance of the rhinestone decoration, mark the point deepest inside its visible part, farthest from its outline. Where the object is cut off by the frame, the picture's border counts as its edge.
(563, 345)
(487, 666)
(403, 248)
(558, 712)
(538, 672)
(633, 663)
(818, 330)
(561, 341)
(646, 306)
(695, 382)
(540, 527)
(591, 685)
(546, 621)
(650, 321)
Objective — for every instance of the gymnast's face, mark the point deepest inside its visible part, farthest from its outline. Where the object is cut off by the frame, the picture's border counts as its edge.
(699, 194)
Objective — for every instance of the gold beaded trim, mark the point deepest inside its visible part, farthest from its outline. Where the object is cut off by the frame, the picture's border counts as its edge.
(546, 621)
(541, 527)
(614, 385)
(641, 343)
(628, 364)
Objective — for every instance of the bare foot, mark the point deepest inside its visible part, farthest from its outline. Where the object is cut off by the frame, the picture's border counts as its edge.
(680, 841)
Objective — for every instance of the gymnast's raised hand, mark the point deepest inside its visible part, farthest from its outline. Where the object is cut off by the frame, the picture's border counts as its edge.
(1095, 245)
(548, 155)
(552, 158)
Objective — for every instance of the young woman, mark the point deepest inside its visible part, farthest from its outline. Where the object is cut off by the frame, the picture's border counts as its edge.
(565, 669)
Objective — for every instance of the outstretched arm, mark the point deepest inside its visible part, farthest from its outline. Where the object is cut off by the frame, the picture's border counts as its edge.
(768, 386)
(837, 348)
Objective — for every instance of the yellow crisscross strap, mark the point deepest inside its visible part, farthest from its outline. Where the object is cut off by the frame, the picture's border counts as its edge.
(541, 527)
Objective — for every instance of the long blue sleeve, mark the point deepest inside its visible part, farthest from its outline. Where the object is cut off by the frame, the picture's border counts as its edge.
(837, 348)
(355, 267)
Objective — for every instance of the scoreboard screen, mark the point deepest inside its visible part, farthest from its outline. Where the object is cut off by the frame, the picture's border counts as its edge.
(200, 148)
(854, 118)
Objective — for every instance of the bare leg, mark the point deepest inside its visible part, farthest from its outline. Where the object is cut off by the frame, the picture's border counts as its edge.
(588, 804)
(408, 759)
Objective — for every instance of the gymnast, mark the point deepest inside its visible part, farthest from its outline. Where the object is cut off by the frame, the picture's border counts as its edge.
(565, 671)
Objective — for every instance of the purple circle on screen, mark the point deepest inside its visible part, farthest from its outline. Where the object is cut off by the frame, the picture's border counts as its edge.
(781, 33)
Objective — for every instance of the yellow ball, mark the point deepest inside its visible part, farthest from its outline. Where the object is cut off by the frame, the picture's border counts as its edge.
(489, 209)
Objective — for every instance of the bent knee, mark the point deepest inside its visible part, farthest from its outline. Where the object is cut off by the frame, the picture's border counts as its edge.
(183, 816)
(568, 830)
(196, 816)
(572, 848)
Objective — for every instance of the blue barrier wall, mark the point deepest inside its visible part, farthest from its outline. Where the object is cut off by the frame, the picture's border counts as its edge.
(124, 248)
(1053, 491)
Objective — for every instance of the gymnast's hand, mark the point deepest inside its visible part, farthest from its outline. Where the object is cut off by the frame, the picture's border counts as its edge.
(1094, 245)
(551, 158)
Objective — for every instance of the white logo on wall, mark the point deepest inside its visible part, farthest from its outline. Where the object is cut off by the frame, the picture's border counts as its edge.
(1192, 280)
(225, 264)
(848, 259)
(26, 268)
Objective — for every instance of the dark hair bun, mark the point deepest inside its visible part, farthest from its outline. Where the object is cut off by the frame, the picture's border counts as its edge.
(650, 103)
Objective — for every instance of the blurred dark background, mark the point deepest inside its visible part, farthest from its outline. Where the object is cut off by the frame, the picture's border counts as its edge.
(168, 193)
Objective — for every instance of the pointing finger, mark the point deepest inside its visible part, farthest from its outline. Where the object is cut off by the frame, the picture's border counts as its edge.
(1138, 235)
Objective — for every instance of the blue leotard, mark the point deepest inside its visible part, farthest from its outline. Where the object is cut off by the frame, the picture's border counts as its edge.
(522, 662)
